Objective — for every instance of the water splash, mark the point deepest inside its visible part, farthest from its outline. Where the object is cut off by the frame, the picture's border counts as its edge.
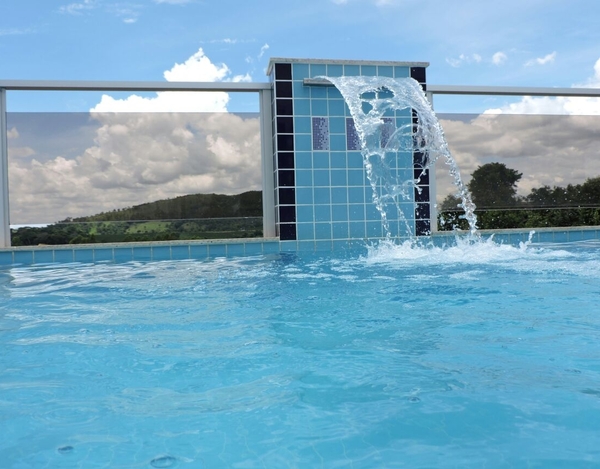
(370, 100)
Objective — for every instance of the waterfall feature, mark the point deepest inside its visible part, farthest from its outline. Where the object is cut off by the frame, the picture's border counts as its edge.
(372, 100)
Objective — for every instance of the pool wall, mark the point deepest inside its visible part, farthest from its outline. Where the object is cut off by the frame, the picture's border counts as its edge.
(181, 250)
(321, 190)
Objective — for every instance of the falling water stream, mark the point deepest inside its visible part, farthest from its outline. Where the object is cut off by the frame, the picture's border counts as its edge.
(369, 100)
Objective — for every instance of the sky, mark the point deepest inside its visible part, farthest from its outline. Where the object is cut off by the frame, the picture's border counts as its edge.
(115, 162)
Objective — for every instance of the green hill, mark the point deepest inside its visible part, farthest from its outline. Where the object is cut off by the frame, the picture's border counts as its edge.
(196, 216)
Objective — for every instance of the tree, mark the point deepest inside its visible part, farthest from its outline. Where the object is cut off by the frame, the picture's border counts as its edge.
(493, 185)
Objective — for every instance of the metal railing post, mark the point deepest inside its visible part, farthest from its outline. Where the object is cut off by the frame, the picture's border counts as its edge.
(268, 183)
(4, 206)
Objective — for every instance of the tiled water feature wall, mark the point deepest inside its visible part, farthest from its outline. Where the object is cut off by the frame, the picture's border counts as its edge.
(321, 189)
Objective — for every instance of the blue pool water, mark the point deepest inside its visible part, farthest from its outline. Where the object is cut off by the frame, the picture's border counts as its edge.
(468, 356)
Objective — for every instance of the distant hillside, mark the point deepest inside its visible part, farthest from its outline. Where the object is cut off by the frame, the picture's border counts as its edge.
(247, 204)
(198, 216)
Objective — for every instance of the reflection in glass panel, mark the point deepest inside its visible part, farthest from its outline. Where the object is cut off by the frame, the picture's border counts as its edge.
(171, 173)
(524, 171)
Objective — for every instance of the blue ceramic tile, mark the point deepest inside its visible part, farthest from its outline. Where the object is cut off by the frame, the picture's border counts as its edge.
(6, 257)
(139, 253)
(356, 195)
(339, 195)
(340, 230)
(303, 142)
(373, 214)
(123, 254)
(576, 235)
(300, 71)
(333, 93)
(46, 257)
(338, 177)
(335, 70)
(351, 70)
(24, 257)
(161, 253)
(374, 229)
(318, 92)
(217, 250)
(340, 245)
(304, 213)
(401, 72)
(337, 159)
(321, 177)
(317, 70)
(253, 249)
(305, 231)
(64, 255)
(337, 125)
(326, 246)
(355, 160)
(355, 177)
(368, 70)
(302, 107)
(337, 142)
(288, 246)
(271, 247)
(103, 254)
(304, 177)
(322, 213)
(322, 230)
(339, 212)
(306, 246)
(81, 255)
(180, 252)
(299, 90)
(319, 107)
(320, 159)
(304, 196)
(235, 250)
(356, 212)
(337, 108)
(561, 237)
(322, 195)
(302, 125)
(385, 71)
(357, 230)
(303, 160)
(198, 251)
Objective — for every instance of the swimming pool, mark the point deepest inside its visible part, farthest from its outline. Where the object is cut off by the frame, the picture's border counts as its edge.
(481, 355)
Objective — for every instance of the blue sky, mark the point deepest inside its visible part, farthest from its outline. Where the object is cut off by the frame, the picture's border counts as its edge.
(479, 42)
(65, 164)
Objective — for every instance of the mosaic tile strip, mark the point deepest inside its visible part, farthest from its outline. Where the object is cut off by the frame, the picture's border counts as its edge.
(352, 140)
(320, 128)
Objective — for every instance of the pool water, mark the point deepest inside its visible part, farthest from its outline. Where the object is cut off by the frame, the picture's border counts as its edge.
(481, 355)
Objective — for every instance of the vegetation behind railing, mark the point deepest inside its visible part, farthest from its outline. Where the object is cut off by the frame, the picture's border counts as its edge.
(139, 230)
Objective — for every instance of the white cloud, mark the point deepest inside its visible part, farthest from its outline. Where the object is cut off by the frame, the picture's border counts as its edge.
(78, 8)
(198, 68)
(559, 105)
(499, 58)
(173, 2)
(12, 133)
(263, 49)
(136, 158)
(142, 155)
(547, 59)
(548, 150)
(463, 59)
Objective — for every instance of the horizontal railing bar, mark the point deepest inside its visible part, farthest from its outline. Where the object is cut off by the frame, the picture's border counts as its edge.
(71, 85)
(489, 90)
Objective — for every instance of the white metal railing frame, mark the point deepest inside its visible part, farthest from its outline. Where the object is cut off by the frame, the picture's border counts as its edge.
(265, 99)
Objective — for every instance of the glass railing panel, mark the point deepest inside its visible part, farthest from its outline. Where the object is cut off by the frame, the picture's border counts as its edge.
(118, 177)
(524, 171)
